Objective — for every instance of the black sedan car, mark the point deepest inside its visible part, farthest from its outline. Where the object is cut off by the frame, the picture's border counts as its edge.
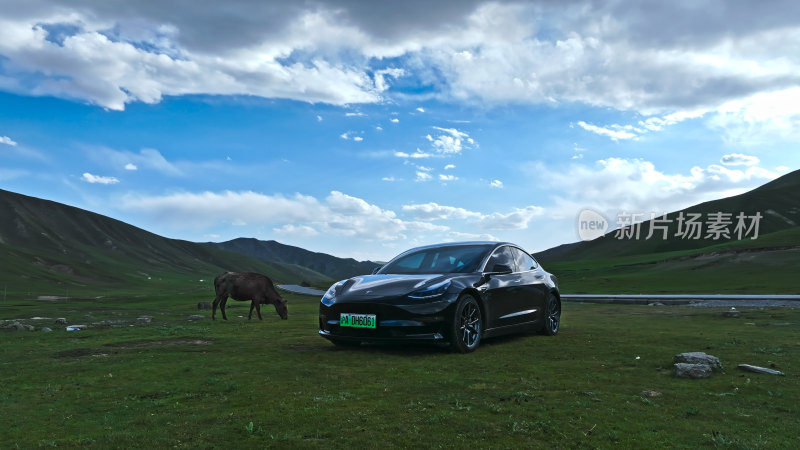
(456, 292)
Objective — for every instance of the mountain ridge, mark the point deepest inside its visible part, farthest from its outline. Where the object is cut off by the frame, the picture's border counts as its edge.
(778, 203)
(46, 246)
(271, 250)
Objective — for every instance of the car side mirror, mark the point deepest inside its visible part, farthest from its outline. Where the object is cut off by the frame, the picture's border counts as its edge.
(498, 269)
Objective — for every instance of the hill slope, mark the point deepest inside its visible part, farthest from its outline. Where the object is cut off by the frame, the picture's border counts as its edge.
(678, 265)
(47, 248)
(331, 266)
(778, 202)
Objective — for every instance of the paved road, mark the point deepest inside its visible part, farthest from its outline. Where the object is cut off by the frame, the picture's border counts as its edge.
(709, 300)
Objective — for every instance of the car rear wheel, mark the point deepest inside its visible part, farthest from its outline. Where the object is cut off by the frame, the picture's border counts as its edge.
(467, 326)
(552, 316)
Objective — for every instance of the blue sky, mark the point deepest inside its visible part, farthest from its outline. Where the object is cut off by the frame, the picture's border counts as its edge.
(362, 129)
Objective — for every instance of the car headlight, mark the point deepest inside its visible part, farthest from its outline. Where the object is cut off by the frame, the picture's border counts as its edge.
(434, 290)
(330, 294)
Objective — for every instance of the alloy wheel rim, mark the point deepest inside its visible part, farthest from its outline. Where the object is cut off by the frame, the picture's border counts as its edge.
(470, 325)
(555, 314)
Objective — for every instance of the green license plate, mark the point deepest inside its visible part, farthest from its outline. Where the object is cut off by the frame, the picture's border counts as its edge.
(357, 320)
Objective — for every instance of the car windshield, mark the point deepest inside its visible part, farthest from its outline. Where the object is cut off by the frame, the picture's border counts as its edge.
(447, 259)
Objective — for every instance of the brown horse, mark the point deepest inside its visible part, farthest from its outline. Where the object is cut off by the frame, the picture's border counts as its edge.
(247, 286)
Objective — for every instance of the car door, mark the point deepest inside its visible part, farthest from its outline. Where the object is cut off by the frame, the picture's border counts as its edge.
(532, 291)
(502, 291)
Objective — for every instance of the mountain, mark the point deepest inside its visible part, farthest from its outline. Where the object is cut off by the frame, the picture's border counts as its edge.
(331, 266)
(676, 264)
(47, 248)
(778, 203)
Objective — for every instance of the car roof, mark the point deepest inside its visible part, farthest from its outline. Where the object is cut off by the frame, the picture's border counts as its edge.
(453, 244)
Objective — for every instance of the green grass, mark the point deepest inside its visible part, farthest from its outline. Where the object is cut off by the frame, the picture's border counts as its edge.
(766, 265)
(276, 383)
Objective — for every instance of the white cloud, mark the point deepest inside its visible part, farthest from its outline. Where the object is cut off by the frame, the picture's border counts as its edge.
(419, 154)
(96, 179)
(379, 128)
(338, 214)
(450, 141)
(636, 185)
(737, 65)
(390, 179)
(355, 114)
(515, 220)
(380, 77)
(351, 135)
(394, 120)
(738, 159)
(423, 176)
(108, 63)
(7, 140)
(434, 211)
(296, 230)
(614, 134)
(496, 184)
(760, 119)
(618, 132)
(421, 109)
(443, 177)
(449, 166)
(319, 118)
(460, 236)
(131, 166)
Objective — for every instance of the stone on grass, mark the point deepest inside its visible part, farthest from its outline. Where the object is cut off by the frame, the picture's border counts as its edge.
(46, 329)
(733, 312)
(650, 393)
(16, 326)
(699, 358)
(655, 304)
(203, 305)
(758, 369)
(196, 317)
(61, 321)
(686, 370)
(144, 319)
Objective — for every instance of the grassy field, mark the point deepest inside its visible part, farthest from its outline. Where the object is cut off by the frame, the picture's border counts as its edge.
(251, 384)
(763, 266)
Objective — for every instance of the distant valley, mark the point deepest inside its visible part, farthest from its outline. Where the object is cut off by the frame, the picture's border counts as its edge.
(55, 250)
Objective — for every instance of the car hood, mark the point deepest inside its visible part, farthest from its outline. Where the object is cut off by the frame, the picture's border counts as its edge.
(386, 285)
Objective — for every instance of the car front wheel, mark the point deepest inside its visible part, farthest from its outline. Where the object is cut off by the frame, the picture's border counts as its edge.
(467, 326)
(552, 316)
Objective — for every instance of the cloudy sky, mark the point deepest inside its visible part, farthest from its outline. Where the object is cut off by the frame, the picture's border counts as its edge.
(364, 128)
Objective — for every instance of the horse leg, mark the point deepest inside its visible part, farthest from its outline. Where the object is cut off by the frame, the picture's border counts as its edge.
(252, 305)
(217, 299)
(258, 308)
(222, 307)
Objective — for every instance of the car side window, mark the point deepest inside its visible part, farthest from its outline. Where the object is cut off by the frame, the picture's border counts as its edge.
(524, 261)
(501, 257)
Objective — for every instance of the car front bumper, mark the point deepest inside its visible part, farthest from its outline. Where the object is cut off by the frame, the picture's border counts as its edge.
(416, 322)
